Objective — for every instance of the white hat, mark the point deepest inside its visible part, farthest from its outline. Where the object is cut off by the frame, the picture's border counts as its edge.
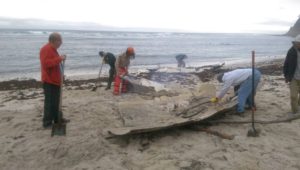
(297, 39)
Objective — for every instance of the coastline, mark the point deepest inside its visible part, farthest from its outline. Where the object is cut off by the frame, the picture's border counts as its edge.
(92, 73)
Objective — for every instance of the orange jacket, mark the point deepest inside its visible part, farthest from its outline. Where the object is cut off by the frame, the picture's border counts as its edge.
(50, 65)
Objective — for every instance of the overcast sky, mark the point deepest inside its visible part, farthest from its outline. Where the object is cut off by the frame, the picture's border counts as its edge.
(262, 16)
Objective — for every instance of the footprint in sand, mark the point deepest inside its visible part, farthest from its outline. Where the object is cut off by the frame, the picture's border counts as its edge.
(18, 137)
(197, 165)
(18, 124)
(7, 119)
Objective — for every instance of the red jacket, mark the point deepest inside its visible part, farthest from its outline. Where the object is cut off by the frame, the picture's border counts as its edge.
(50, 65)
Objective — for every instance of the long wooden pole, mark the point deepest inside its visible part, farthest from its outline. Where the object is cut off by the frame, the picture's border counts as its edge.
(253, 90)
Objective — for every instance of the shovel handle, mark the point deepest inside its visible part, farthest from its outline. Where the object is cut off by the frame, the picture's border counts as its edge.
(61, 91)
(100, 70)
(252, 107)
(120, 87)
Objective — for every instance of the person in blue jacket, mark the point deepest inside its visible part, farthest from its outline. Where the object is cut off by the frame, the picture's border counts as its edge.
(241, 78)
(180, 58)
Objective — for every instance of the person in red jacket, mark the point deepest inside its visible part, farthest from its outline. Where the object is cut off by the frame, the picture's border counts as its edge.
(51, 78)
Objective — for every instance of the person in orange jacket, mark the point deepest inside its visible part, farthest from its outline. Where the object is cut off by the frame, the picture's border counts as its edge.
(51, 78)
(122, 64)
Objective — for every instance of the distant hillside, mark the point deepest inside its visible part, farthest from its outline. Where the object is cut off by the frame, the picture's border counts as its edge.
(294, 30)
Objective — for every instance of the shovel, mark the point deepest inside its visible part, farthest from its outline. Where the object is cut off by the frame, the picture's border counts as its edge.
(98, 82)
(60, 127)
(253, 132)
(121, 85)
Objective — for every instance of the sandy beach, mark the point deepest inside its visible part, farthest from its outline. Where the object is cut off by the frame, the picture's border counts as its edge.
(24, 144)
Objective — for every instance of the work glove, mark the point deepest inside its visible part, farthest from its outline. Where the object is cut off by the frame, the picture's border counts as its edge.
(121, 76)
(214, 100)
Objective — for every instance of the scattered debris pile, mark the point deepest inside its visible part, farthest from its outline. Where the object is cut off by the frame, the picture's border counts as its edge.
(205, 73)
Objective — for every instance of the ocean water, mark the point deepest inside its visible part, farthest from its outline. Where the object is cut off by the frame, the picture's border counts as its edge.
(19, 49)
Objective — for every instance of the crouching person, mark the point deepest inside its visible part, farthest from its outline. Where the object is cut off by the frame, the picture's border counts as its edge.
(241, 78)
(180, 60)
(122, 64)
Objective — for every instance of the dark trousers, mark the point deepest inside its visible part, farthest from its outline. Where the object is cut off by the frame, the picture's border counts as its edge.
(180, 63)
(51, 104)
(112, 72)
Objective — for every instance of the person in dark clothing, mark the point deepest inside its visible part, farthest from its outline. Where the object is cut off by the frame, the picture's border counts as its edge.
(109, 59)
(291, 72)
(180, 58)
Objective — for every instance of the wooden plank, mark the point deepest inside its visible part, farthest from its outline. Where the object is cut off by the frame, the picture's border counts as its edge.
(153, 115)
(174, 121)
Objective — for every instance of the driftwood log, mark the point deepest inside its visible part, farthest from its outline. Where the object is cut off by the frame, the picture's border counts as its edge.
(212, 132)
